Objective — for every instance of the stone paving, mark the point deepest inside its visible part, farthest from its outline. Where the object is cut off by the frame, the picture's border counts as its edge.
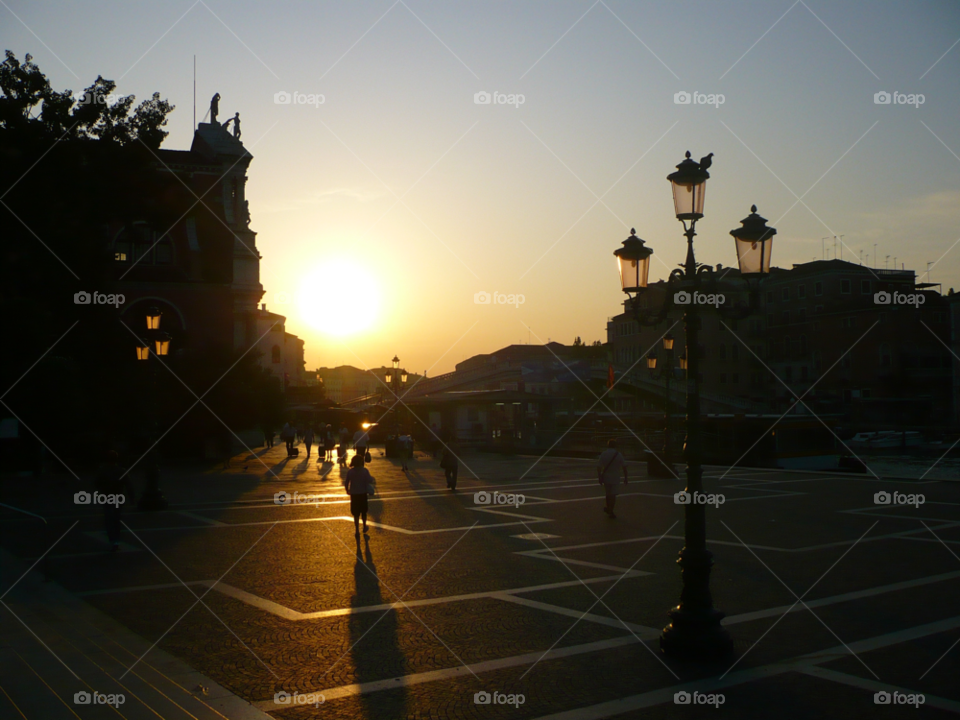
(446, 598)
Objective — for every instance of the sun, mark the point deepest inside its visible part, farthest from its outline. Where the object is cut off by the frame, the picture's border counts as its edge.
(339, 297)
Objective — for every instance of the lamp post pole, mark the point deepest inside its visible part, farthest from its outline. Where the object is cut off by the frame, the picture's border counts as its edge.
(153, 498)
(695, 631)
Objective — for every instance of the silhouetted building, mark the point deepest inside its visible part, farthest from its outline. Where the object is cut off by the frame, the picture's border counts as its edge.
(823, 332)
(188, 249)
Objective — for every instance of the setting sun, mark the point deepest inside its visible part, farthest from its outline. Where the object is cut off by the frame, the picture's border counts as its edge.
(338, 298)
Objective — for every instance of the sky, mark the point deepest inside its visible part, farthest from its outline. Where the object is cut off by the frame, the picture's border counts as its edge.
(387, 190)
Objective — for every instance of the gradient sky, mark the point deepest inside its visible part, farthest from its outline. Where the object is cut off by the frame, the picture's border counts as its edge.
(439, 198)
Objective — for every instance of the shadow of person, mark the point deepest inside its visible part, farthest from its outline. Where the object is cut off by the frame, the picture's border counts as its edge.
(373, 636)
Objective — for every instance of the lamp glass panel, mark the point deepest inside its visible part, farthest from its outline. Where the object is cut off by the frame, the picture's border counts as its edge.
(754, 257)
(688, 199)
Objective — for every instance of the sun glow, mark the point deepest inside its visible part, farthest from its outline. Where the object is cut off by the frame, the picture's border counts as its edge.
(339, 298)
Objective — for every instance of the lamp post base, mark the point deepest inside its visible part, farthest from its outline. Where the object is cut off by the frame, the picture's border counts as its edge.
(696, 636)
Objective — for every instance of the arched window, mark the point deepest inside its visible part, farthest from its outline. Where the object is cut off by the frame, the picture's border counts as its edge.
(275, 354)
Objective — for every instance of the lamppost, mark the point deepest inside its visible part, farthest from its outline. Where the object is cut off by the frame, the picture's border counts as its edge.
(396, 379)
(152, 498)
(695, 631)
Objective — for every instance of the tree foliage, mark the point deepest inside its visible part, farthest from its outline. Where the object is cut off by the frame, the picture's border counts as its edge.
(29, 105)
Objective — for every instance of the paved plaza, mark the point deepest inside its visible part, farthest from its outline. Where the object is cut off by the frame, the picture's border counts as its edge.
(229, 604)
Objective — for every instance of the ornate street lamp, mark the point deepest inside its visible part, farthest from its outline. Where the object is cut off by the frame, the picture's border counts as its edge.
(689, 184)
(162, 344)
(633, 259)
(153, 318)
(695, 631)
(143, 350)
(754, 244)
(651, 362)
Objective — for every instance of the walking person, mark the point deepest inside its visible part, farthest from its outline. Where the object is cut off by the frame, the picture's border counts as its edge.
(113, 481)
(329, 442)
(287, 435)
(308, 439)
(406, 451)
(344, 443)
(609, 466)
(268, 437)
(361, 440)
(451, 467)
(359, 485)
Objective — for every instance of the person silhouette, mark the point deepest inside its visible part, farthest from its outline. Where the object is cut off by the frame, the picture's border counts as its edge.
(214, 108)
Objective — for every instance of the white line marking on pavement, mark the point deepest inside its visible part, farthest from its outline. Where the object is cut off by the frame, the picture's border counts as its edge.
(648, 633)
(873, 686)
(456, 672)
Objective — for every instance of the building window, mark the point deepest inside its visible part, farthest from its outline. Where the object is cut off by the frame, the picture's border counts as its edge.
(804, 373)
(818, 288)
(845, 287)
(802, 314)
(801, 291)
(722, 352)
(734, 352)
(785, 294)
(803, 345)
(885, 357)
(818, 309)
(817, 362)
(723, 378)
(845, 362)
(770, 296)
(786, 317)
(275, 354)
(735, 379)
(864, 287)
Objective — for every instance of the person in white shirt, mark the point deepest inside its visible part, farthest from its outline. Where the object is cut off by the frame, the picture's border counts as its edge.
(610, 464)
(359, 484)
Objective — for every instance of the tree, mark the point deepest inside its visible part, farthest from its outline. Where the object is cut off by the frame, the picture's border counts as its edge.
(98, 114)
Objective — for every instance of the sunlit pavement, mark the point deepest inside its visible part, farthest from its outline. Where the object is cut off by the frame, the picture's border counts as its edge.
(536, 597)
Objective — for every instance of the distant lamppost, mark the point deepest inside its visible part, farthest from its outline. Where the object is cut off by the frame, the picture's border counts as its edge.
(695, 631)
(152, 498)
(396, 379)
